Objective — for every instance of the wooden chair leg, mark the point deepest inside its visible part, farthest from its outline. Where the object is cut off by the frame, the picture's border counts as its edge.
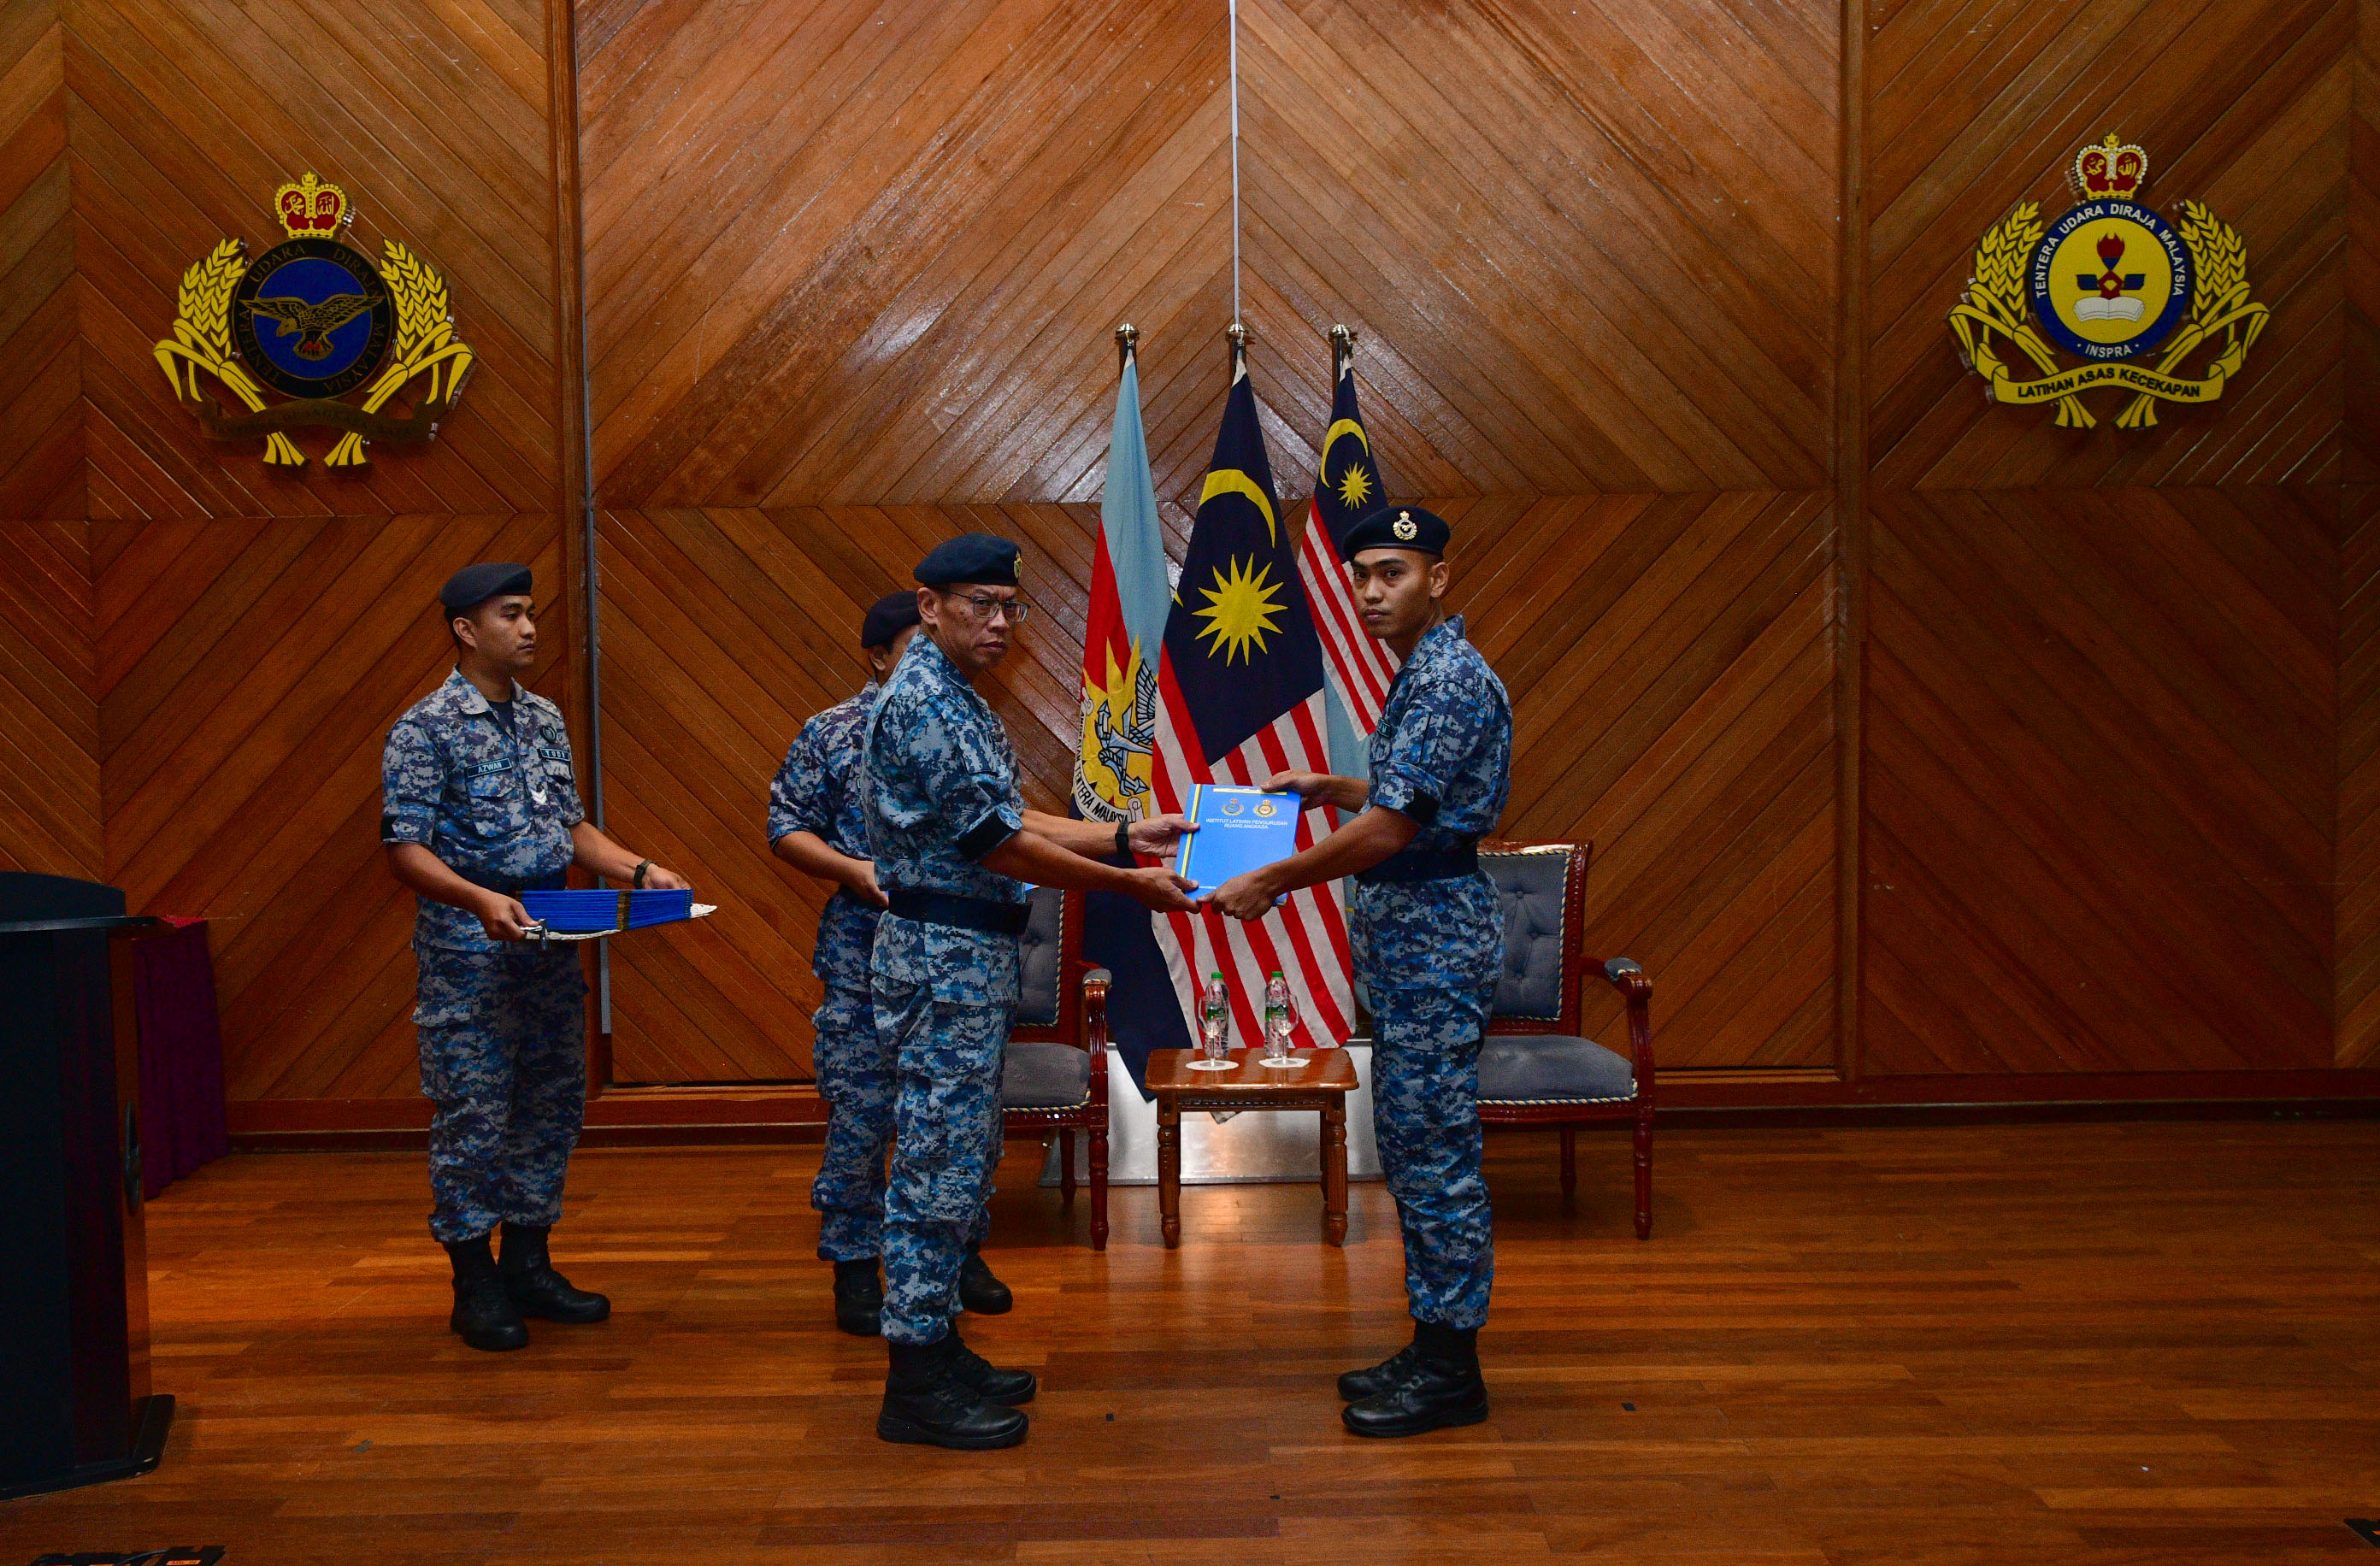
(1570, 1162)
(1066, 1166)
(1644, 1178)
(1099, 1187)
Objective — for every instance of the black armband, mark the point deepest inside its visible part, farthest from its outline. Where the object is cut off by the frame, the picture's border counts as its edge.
(984, 837)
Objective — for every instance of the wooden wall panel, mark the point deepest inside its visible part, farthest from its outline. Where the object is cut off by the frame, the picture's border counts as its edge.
(852, 274)
(845, 252)
(185, 117)
(1672, 699)
(1974, 105)
(49, 709)
(40, 372)
(1667, 654)
(2100, 743)
(2358, 985)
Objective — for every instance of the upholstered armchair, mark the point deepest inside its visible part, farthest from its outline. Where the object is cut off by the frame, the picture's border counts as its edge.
(1056, 1075)
(1536, 1067)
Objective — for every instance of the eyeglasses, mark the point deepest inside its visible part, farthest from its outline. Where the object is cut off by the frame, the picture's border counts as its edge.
(983, 606)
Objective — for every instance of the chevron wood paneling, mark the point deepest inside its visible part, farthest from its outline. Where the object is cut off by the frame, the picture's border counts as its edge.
(1672, 689)
(2100, 827)
(2358, 987)
(1975, 105)
(40, 373)
(50, 817)
(435, 117)
(249, 671)
(724, 631)
(2363, 251)
(841, 251)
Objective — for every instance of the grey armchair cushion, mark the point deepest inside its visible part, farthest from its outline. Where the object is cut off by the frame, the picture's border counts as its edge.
(1044, 1076)
(1036, 961)
(1530, 884)
(1535, 1068)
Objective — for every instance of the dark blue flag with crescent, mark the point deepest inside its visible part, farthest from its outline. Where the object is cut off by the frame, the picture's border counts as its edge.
(1241, 696)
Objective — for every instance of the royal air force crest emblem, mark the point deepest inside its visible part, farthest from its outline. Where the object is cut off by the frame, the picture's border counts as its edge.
(314, 319)
(2109, 282)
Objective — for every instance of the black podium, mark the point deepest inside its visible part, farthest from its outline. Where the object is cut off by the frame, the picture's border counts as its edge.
(75, 1404)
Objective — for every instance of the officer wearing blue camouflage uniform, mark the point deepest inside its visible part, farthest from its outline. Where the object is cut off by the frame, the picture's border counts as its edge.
(479, 802)
(817, 824)
(953, 848)
(1428, 938)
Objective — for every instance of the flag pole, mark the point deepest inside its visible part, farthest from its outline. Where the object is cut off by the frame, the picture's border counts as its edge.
(1234, 10)
(1342, 351)
(1236, 334)
(1127, 339)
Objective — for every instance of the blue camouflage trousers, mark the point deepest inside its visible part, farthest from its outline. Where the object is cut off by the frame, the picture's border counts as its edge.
(504, 1058)
(1428, 954)
(944, 1000)
(855, 1077)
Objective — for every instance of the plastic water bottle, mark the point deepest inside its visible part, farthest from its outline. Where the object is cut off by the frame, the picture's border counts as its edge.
(1277, 1022)
(1215, 1016)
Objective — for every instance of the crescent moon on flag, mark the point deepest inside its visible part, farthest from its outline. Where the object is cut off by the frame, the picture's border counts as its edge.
(1231, 482)
(1344, 427)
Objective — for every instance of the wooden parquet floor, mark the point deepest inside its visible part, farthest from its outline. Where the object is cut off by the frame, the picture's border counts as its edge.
(2049, 1343)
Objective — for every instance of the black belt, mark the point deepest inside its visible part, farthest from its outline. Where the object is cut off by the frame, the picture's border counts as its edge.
(515, 888)
(1410, 865)
(962, 913)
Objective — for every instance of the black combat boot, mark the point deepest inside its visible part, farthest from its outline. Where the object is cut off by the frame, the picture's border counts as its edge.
(536, 1289)
(1370, 1382)
(484, 1316)
(979, 1291)
(985, 1379)
(1441, 1388)
(858, 1298)
(925, 1405)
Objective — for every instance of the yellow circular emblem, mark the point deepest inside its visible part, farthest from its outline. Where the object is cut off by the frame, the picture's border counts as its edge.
(2110, 280)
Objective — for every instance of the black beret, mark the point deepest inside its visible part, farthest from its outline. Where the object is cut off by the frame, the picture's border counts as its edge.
(1397, 527)
(887, 618)
(970, 557)
(474, 584)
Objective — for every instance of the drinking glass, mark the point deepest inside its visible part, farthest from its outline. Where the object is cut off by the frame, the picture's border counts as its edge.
(1280, 1026)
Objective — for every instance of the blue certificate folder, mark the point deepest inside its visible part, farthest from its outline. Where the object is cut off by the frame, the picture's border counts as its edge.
(586, 913)
(1239, 829)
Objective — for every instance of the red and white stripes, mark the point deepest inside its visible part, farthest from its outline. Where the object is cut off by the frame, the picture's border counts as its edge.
(1305, 940)
(1360, 664)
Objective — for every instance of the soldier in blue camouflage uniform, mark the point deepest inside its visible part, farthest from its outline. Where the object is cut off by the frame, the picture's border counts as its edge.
(954, 847)
(1428, 938)
(479, 802)
(817, 825)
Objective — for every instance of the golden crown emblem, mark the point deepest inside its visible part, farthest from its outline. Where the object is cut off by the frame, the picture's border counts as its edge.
(2110, 169)
(311, 209)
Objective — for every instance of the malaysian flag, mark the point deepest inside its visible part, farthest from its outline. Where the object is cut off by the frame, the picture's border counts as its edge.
(1346, 489)
(1241, 696)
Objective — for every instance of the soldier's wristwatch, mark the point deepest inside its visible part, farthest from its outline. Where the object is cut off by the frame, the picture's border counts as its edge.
(637, 880)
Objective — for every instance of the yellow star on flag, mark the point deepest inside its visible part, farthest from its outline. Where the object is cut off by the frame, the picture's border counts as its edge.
(1241, 607)
(1354, 485)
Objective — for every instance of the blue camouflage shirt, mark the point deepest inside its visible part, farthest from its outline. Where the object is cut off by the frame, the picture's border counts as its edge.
(1443, 753)
(941, 783)
(817, 791)
(495, 807)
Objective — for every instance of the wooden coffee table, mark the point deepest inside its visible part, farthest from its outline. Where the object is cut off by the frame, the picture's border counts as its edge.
(1321, 1080)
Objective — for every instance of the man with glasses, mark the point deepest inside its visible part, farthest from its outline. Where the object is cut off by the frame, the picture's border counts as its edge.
(954, 849)
(817, 824)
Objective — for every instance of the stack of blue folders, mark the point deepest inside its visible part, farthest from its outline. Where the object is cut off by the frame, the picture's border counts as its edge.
(590, 912)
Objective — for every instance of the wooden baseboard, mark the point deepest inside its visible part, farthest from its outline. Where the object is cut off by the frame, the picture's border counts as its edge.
(617, 1118)
(778, 1113)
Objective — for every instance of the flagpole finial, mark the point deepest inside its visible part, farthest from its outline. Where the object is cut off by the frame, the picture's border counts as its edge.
(1236, 334)
(1343, 349)
(1127, 338)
